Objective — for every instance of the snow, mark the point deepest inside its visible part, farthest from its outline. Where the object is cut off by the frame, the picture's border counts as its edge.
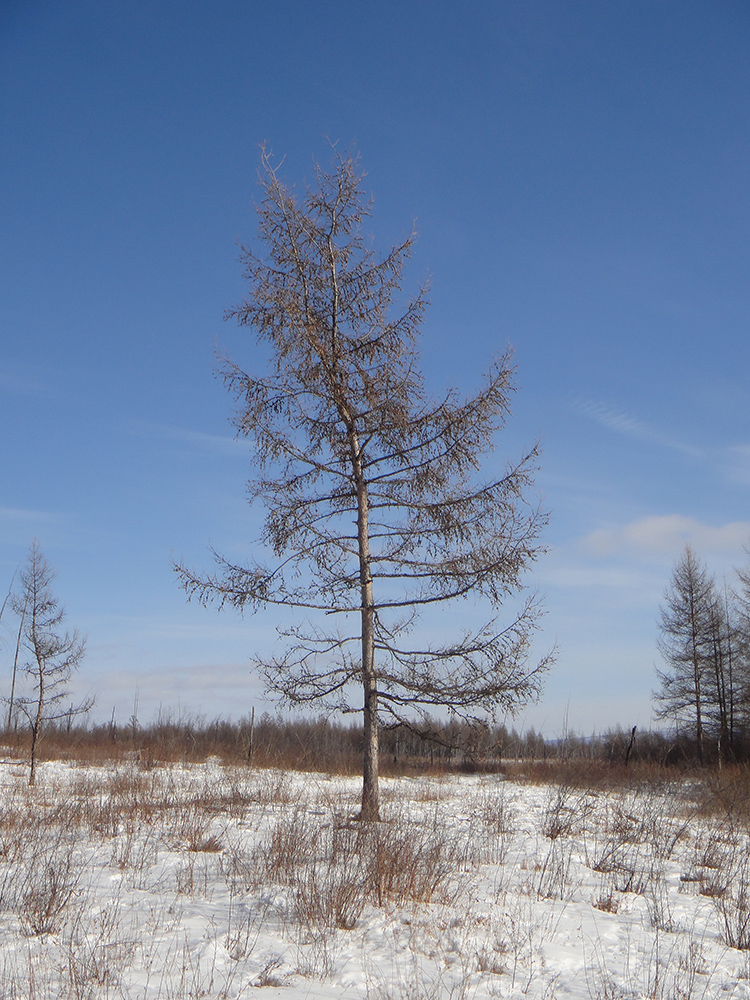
(220, 882)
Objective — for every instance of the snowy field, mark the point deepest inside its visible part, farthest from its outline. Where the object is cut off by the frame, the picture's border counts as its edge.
(218, 882)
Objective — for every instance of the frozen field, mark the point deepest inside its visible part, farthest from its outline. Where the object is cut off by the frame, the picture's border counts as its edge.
(206, 881)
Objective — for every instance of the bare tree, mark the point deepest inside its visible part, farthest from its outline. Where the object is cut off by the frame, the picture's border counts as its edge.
(7, 597)
(741, 652)
(688, 626)
(725, 658)
(375, 510)
(53, 654)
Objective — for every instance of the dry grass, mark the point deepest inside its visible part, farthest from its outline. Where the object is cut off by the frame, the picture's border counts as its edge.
(336, 870)
(293, 857)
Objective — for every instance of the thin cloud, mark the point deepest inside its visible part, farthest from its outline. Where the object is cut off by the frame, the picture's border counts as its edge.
(221, 630)
(613, 419)
(17, 514)
(196, 439)
(178, 690)
(144, 628)
(572, 576)
(737, 464)
(630, 426)
(668, 535)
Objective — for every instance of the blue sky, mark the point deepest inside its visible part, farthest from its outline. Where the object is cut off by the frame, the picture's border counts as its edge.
(578, 173)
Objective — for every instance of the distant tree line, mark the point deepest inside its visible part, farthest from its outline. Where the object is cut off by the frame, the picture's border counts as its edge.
(704, 640)
(331, 746)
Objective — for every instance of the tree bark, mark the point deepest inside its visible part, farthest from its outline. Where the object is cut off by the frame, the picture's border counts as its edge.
(37, 725)
(370, 791)
(631, 744)
(250, 746)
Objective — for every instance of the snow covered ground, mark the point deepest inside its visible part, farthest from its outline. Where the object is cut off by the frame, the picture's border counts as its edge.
(210, 881)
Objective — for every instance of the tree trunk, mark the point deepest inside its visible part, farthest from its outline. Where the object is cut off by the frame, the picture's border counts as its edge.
(370, 765)
(697, 670)
(370, 771)
(250, 747)
(631, 744)
(32, 769)
(36, 727)
(698, 714)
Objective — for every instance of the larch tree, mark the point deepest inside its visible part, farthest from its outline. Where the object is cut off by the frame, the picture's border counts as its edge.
(741, 652)
(724, 656)
(689, 619)
(53, 654)
(375, 509)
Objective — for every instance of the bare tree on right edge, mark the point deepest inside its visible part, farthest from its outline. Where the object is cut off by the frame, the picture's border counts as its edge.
(687, 625)
(740, 606)
(54, 654)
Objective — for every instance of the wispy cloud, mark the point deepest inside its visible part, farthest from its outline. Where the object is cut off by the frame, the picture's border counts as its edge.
(187, 691)
(16, 515)
(570, 576)
(631, 426)
(737, 464)
(195, 439)
(668, 534)
(19, 525)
